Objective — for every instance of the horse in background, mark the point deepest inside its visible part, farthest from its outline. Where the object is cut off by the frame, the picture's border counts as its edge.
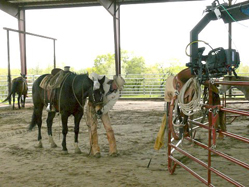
(244, 89)
(19, 87)
(69, 98)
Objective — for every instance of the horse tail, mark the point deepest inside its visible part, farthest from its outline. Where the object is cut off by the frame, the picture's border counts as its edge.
(8, 98)
(32, 124)
(13, 90)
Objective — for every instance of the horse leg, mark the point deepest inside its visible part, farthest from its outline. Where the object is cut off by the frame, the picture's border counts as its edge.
(18, 100)
(49, 128)
(37, 119)
(110, 135)
(64, 119)
(92, 129)
(14, 95)
(77, 118)
(23, 100)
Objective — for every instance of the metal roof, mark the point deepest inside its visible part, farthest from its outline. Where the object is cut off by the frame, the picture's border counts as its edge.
(36, 4)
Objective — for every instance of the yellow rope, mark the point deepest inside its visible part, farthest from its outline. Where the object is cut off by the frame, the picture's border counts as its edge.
(193, 43)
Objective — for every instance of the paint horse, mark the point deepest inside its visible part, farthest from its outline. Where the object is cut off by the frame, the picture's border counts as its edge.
(68, 99)
(19, 87)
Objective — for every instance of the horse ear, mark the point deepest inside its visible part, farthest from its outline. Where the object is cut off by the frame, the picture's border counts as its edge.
(102, 80)
(89, 79)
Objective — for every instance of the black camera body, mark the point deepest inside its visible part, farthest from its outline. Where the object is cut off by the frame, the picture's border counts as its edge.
(220, 61)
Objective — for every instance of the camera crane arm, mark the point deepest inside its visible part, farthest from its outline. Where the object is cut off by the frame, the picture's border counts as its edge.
(229, 14)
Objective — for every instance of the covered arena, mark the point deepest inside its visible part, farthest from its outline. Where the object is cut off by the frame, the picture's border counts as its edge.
(190, 155)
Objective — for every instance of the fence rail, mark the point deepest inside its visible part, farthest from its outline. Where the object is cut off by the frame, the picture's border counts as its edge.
(136, 86)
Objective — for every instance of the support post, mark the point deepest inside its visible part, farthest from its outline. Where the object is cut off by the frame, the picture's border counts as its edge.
(9, 74)
(113, 7)
(116, 22)
(54, 55)
(22, 40)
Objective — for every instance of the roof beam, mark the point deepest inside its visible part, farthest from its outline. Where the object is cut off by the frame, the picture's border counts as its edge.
(54, 4)
(9, 8)
(109, 6)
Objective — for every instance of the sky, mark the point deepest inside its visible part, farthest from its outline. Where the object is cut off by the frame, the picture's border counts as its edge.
(159, 32)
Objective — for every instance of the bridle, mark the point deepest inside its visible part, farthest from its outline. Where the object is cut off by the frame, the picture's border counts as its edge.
(97, 86)
(94, 99)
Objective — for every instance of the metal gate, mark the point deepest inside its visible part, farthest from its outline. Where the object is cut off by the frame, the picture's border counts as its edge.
(213, 112)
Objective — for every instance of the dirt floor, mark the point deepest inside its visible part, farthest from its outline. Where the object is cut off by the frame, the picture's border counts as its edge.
(136, 124)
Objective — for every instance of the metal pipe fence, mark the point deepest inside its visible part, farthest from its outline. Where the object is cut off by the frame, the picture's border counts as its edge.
(148, 86)
(4, 85)
(137, 86)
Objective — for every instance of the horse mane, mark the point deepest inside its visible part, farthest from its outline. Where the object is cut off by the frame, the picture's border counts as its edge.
(78, 74)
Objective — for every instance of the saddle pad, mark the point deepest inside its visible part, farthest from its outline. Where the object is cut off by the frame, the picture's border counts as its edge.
(50, 82)
(45, 81)
(169, 91)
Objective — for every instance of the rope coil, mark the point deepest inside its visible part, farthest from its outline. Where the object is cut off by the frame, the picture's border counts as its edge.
(194, 105)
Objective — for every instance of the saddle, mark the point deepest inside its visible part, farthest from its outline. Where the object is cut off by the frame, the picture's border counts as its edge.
(180, 79)
(51, 82)
(183, 76)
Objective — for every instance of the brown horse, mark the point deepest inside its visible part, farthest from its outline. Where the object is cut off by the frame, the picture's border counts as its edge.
(19, 86)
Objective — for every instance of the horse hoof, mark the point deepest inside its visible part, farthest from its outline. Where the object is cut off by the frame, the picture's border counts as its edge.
(64, 152)
(115, 154)
(97, 155)
(30, 128)
(77, 151)
(53, 145)
(39, 145)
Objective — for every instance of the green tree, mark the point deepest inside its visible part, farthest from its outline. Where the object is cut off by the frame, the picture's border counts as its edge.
(243, 69)
(135, 65)
(132, 64)
(104, 64)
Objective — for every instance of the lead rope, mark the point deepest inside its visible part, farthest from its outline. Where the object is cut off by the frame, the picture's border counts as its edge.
(75, 94)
